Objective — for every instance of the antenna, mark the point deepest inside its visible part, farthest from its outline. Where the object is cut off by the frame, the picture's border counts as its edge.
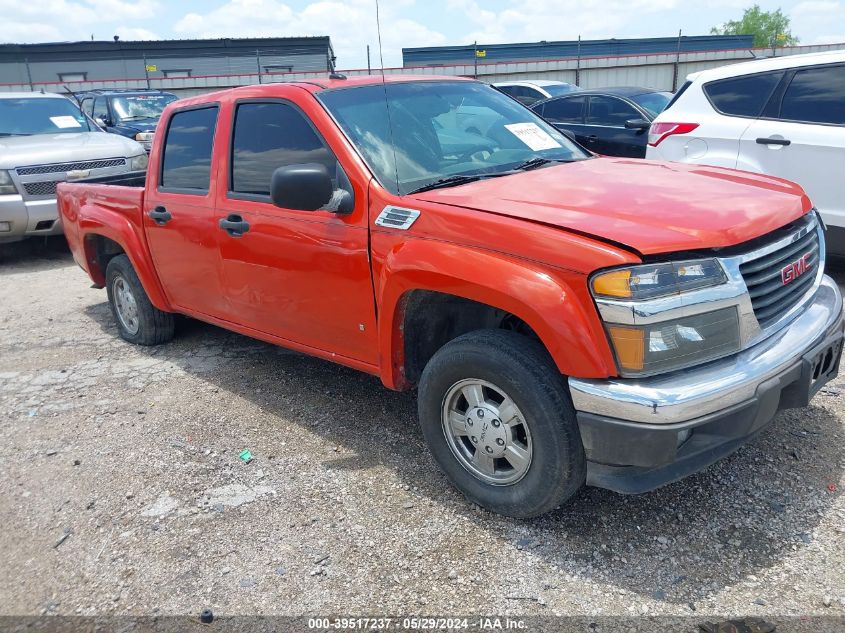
(386, 101)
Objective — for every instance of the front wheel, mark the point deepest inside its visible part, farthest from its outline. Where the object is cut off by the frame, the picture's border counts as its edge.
(138, 320)
(497, 416)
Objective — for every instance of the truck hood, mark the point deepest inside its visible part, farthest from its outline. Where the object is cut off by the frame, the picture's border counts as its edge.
(41, 149)
(649, 206)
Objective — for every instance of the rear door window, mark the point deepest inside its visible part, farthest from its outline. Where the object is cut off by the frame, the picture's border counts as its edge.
(742, 96)
(565, 110)
(816, 95)
(186, 164)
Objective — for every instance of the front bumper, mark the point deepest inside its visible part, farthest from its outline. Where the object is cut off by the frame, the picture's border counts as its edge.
(28, 218)
(636, 431)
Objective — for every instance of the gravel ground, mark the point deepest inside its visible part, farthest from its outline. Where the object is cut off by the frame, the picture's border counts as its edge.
(122, 491)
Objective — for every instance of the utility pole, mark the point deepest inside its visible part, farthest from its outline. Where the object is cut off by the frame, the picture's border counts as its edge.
(29, 74)
(369, 72)
(146, 68)
(677, 64)
(578, 64)
(258, 62)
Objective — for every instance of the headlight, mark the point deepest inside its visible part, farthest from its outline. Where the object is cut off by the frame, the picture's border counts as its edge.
(138, 163)
(6, 184)
(658, 280)
(144, 137)
(661, 347)
(632, 299)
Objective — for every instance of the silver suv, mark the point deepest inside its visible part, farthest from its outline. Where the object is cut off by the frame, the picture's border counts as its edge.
(45, 139)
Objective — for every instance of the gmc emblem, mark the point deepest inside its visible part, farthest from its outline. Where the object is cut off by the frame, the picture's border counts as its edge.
(793, 271)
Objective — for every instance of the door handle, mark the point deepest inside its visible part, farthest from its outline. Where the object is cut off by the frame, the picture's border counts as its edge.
(592, 138)
(160, 216)
(773, 141)
(234, 225)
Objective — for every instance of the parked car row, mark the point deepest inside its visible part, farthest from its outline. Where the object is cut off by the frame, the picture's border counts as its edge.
(47, 138)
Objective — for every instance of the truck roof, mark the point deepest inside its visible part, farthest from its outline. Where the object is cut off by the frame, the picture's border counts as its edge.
(318, 84)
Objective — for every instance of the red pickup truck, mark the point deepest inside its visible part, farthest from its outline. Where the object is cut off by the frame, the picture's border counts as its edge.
(565, 318)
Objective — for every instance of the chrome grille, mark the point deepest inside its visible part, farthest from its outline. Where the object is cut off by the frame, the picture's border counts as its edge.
(40, 188)
(770, 296)
(60, 168)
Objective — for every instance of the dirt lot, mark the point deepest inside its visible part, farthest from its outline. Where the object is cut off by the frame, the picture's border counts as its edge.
(121, 490)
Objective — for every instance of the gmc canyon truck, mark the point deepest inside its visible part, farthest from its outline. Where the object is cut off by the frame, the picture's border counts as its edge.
(566, 319)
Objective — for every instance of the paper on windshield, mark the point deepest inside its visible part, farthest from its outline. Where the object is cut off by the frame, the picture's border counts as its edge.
(65, 121)
(532, 135)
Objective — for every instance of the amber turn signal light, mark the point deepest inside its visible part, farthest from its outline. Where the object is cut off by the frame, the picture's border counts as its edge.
(629, 344)
(616, 283)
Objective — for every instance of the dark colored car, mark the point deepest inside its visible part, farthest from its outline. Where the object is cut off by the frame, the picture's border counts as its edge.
(609, 121)
(130, 113)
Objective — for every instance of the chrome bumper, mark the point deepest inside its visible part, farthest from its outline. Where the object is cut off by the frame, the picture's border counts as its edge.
(689, 394)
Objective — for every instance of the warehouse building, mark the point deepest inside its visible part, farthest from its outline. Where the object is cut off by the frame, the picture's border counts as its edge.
(178, 65)
(536, 51)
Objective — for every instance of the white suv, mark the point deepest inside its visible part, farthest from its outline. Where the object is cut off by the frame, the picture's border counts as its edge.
(783, 116)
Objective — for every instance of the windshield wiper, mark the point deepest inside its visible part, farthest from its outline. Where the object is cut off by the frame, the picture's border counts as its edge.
(135, 118)
(539, 161)
(14, 134)
(450, 181)
(453, 181)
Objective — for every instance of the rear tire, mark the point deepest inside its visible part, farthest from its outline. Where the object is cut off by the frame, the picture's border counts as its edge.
(138, 321)
(513, 445)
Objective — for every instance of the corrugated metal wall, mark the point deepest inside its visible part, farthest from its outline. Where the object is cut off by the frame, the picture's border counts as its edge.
(531, 51)
(133, 64)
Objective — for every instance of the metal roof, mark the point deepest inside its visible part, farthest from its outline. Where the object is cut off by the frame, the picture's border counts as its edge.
(107, 49)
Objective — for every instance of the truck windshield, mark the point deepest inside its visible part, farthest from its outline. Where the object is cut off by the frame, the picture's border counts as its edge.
(136, 107)
(421, 134)
(27, 116)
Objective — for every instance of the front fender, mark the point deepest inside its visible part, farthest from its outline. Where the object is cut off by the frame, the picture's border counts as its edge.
(554, 303)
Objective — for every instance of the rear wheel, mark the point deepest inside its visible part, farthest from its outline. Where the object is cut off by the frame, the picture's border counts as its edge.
(138, 320)
(498, 419)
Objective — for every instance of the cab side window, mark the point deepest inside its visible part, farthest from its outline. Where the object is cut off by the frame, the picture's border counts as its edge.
(816, 95)
(186, 161)
(88, 106)
(267, 136)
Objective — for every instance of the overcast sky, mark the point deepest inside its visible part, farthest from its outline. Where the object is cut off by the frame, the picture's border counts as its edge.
(352, 23)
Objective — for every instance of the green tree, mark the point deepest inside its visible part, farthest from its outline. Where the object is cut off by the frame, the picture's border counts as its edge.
(769, 28)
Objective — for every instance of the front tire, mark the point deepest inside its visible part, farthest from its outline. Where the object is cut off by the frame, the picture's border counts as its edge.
(497, 417)
(138, 320)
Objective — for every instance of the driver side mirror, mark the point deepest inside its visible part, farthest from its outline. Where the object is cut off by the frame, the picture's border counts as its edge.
(637, 124)
(307, 187)
(102, 121)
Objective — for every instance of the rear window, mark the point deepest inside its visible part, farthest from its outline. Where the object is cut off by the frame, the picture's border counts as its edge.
(187, 150)
(742, 96)
(816, 95)
(678, 94)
